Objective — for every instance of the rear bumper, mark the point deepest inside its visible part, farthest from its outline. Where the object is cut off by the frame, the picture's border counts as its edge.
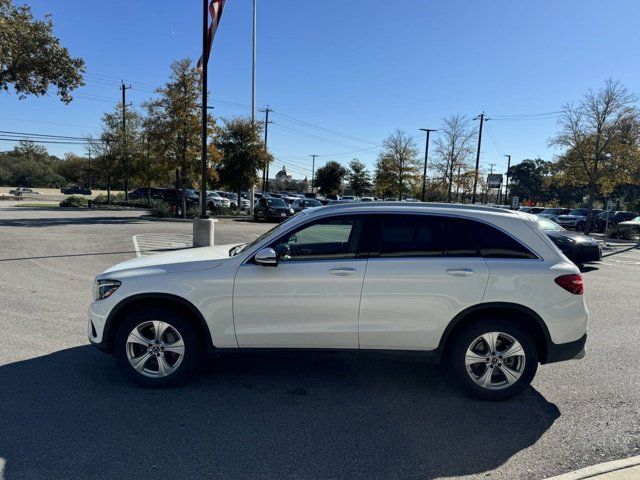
(586, 253)
(559, 352)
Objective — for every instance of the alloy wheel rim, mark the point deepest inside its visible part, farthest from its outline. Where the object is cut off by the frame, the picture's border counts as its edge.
(495, 360)
(155, 349)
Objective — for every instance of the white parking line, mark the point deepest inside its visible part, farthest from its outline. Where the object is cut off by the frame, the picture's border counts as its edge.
(147, 243)
(136, 247)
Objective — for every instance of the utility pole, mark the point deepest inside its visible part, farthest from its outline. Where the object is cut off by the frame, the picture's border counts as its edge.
(506, 188)
(313, 172)
(265, 169)
(458, 185)
(124, 89)
(487, 197)
(253, 66)
(90, 172)
(475, 179)
(426, 160)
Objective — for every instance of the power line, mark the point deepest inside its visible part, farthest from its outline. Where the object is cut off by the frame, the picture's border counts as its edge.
(339, 134)
(27, 134)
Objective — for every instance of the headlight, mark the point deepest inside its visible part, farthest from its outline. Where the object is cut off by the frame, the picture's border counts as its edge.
(104, 288)
(291, 211)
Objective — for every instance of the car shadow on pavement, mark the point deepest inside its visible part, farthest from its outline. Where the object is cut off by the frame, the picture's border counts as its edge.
(64, 221)
(72, 415)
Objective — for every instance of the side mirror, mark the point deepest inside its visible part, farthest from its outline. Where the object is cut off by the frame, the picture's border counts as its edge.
(267, 257)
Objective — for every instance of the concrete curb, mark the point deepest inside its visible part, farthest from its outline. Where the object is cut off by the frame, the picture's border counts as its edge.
(603, 470)
(170, 219)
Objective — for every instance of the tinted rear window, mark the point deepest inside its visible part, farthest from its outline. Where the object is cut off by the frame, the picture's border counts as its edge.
(412, 236)
(471, 238)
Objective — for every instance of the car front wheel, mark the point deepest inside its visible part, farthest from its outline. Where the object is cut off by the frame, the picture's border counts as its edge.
(157, 348)
(494, 359)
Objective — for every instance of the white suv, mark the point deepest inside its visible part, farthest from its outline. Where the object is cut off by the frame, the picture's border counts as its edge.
(482, 289)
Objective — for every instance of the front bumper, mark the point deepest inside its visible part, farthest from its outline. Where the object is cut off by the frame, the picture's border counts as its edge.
(97, 318)
(559, 352)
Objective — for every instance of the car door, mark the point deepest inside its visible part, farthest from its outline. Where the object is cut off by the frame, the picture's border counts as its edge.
(311, 298)
(419, 277)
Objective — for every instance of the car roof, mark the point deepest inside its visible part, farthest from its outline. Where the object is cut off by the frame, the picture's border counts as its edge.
(398, 207)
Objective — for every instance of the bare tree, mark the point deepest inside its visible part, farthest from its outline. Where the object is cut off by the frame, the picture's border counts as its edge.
(398, 167)
(454, 147)
(602, 127)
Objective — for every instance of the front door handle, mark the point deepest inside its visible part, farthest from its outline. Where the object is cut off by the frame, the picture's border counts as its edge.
(461, 272)
(342, 272)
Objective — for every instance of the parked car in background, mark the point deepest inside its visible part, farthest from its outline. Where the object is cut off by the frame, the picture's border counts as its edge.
(75, 190)
(349, 198)
(23, 191)
(614, 219)
(368, 199)
(532, 210)
(553, 213)
(478, 289)
(214, 200)
(173, 196)
(577, 247)
(272, 209)
(302, 204)
(143, 193)
(576, 218)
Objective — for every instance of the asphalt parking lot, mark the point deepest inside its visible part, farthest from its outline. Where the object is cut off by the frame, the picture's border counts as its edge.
(65, 410)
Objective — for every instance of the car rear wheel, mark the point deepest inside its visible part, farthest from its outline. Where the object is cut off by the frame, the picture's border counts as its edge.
(494, 359)
(157, 348)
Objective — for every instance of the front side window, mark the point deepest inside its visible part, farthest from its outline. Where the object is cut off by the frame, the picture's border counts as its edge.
(328, 239)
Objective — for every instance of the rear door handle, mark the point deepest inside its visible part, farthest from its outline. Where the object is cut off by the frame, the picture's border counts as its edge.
(342, 272)
(461, 272)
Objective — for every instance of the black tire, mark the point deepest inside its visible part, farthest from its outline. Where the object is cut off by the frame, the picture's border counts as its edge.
(466, 338)
(177, 321)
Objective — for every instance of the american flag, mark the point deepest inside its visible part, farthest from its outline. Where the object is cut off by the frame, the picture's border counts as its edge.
(215, 10)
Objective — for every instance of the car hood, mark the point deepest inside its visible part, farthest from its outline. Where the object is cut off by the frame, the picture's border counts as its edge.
(185, 260)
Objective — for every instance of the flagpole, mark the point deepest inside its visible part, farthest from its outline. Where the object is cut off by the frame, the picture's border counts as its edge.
(253, 68)
(205, 57)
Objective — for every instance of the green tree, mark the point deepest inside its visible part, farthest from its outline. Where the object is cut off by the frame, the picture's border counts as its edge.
(175, 120)
(124, 159)
(600, 137)
(359, 178)
(32, 58)
(398, 166)
(329, 178)
(526, 179)
(29, 165)
(243, 154)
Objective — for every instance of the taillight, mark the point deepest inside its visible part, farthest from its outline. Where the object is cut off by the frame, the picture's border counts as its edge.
(571, 283)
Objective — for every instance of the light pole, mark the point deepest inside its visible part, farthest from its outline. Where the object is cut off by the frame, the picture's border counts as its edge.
(313, 172)
(506, 187)
(426, 160)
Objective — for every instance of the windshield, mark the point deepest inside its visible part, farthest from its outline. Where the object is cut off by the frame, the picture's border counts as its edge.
(552, 211)
(276, 202)
(548, 226)
(314, 203)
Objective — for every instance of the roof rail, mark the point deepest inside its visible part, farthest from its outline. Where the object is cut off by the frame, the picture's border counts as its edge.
(452, 206)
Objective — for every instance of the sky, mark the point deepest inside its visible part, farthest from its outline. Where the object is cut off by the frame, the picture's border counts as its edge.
(341, 76)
